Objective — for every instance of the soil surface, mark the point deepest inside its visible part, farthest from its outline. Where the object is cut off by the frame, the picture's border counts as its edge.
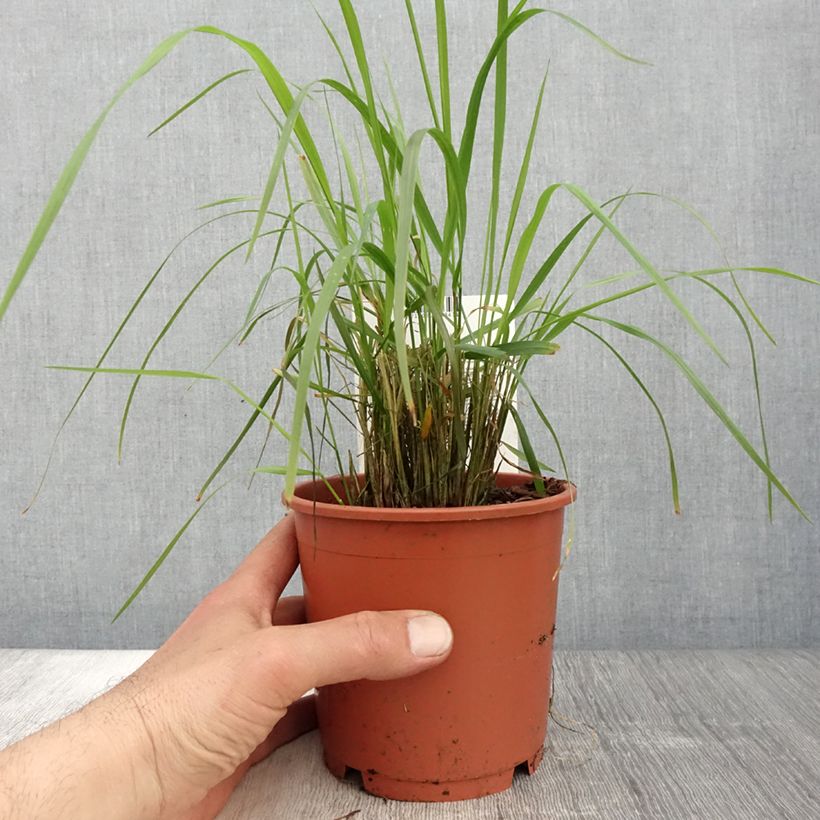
(524, 492)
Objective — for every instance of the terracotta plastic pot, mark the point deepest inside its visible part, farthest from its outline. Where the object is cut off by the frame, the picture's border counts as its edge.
(459, 730)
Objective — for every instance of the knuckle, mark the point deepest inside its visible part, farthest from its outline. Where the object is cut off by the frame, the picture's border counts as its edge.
(370, 633)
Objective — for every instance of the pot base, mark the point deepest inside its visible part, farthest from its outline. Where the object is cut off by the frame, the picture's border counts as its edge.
(434, 791)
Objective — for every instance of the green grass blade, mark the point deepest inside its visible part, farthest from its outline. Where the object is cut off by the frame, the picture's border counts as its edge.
(422, 209)
(309, 349)
(263, 282)
(520, 381)
(522, 250)
(692, 211)
(345, 211)
(327, 210)
(276, 165)
(756, 376)
(585, 199)
(465, 152)
(455, 222)
(337, 48)
(164, 554)
(554, 435)
(161, 335)
(443, 67)
(72, 168)
(456, 371)
(711, 402)
(231, 200)
(195, 375)
(714, 236)
(364, 364)
(274, 470)
(561, 323)
(301, 471)
(428, 89)
(407, 187)
(111, 342)
(66, 180)
(374, 130)
(136, 371)
(197, 98)
(546, 268)
(229, 453)
(310, 345)
(519, 378)
(673, 473)
(529, 452)
(499, 129)
(543, 469)
(352, 181)
(619, 200)
(598, 39)
(283, 96)
(620, 277)
(506, 350)
(523, 172)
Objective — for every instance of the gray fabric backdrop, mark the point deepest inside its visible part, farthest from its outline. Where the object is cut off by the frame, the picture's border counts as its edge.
(727, 119)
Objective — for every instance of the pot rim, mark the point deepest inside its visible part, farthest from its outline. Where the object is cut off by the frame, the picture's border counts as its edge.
(302, 502)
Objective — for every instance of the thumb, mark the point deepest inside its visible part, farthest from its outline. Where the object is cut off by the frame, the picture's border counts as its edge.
(372, 645)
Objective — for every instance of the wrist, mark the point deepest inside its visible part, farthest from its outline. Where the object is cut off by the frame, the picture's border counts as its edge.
(95, 763)
(122, 748)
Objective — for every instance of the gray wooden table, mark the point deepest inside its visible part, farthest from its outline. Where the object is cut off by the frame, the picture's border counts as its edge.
(634, 734)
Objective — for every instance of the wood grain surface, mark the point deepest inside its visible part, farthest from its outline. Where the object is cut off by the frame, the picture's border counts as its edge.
(686, 734)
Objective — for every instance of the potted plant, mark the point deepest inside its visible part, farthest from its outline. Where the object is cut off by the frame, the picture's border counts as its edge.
(385, 341)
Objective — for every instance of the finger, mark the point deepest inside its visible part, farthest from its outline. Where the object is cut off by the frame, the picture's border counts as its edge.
(290, 610)
(372, 645)
(299, 719)
(265, 572)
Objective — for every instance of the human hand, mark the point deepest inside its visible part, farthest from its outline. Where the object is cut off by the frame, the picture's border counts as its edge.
(175, 738)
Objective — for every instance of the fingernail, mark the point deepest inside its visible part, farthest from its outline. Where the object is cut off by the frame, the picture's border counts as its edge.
(430, 635)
